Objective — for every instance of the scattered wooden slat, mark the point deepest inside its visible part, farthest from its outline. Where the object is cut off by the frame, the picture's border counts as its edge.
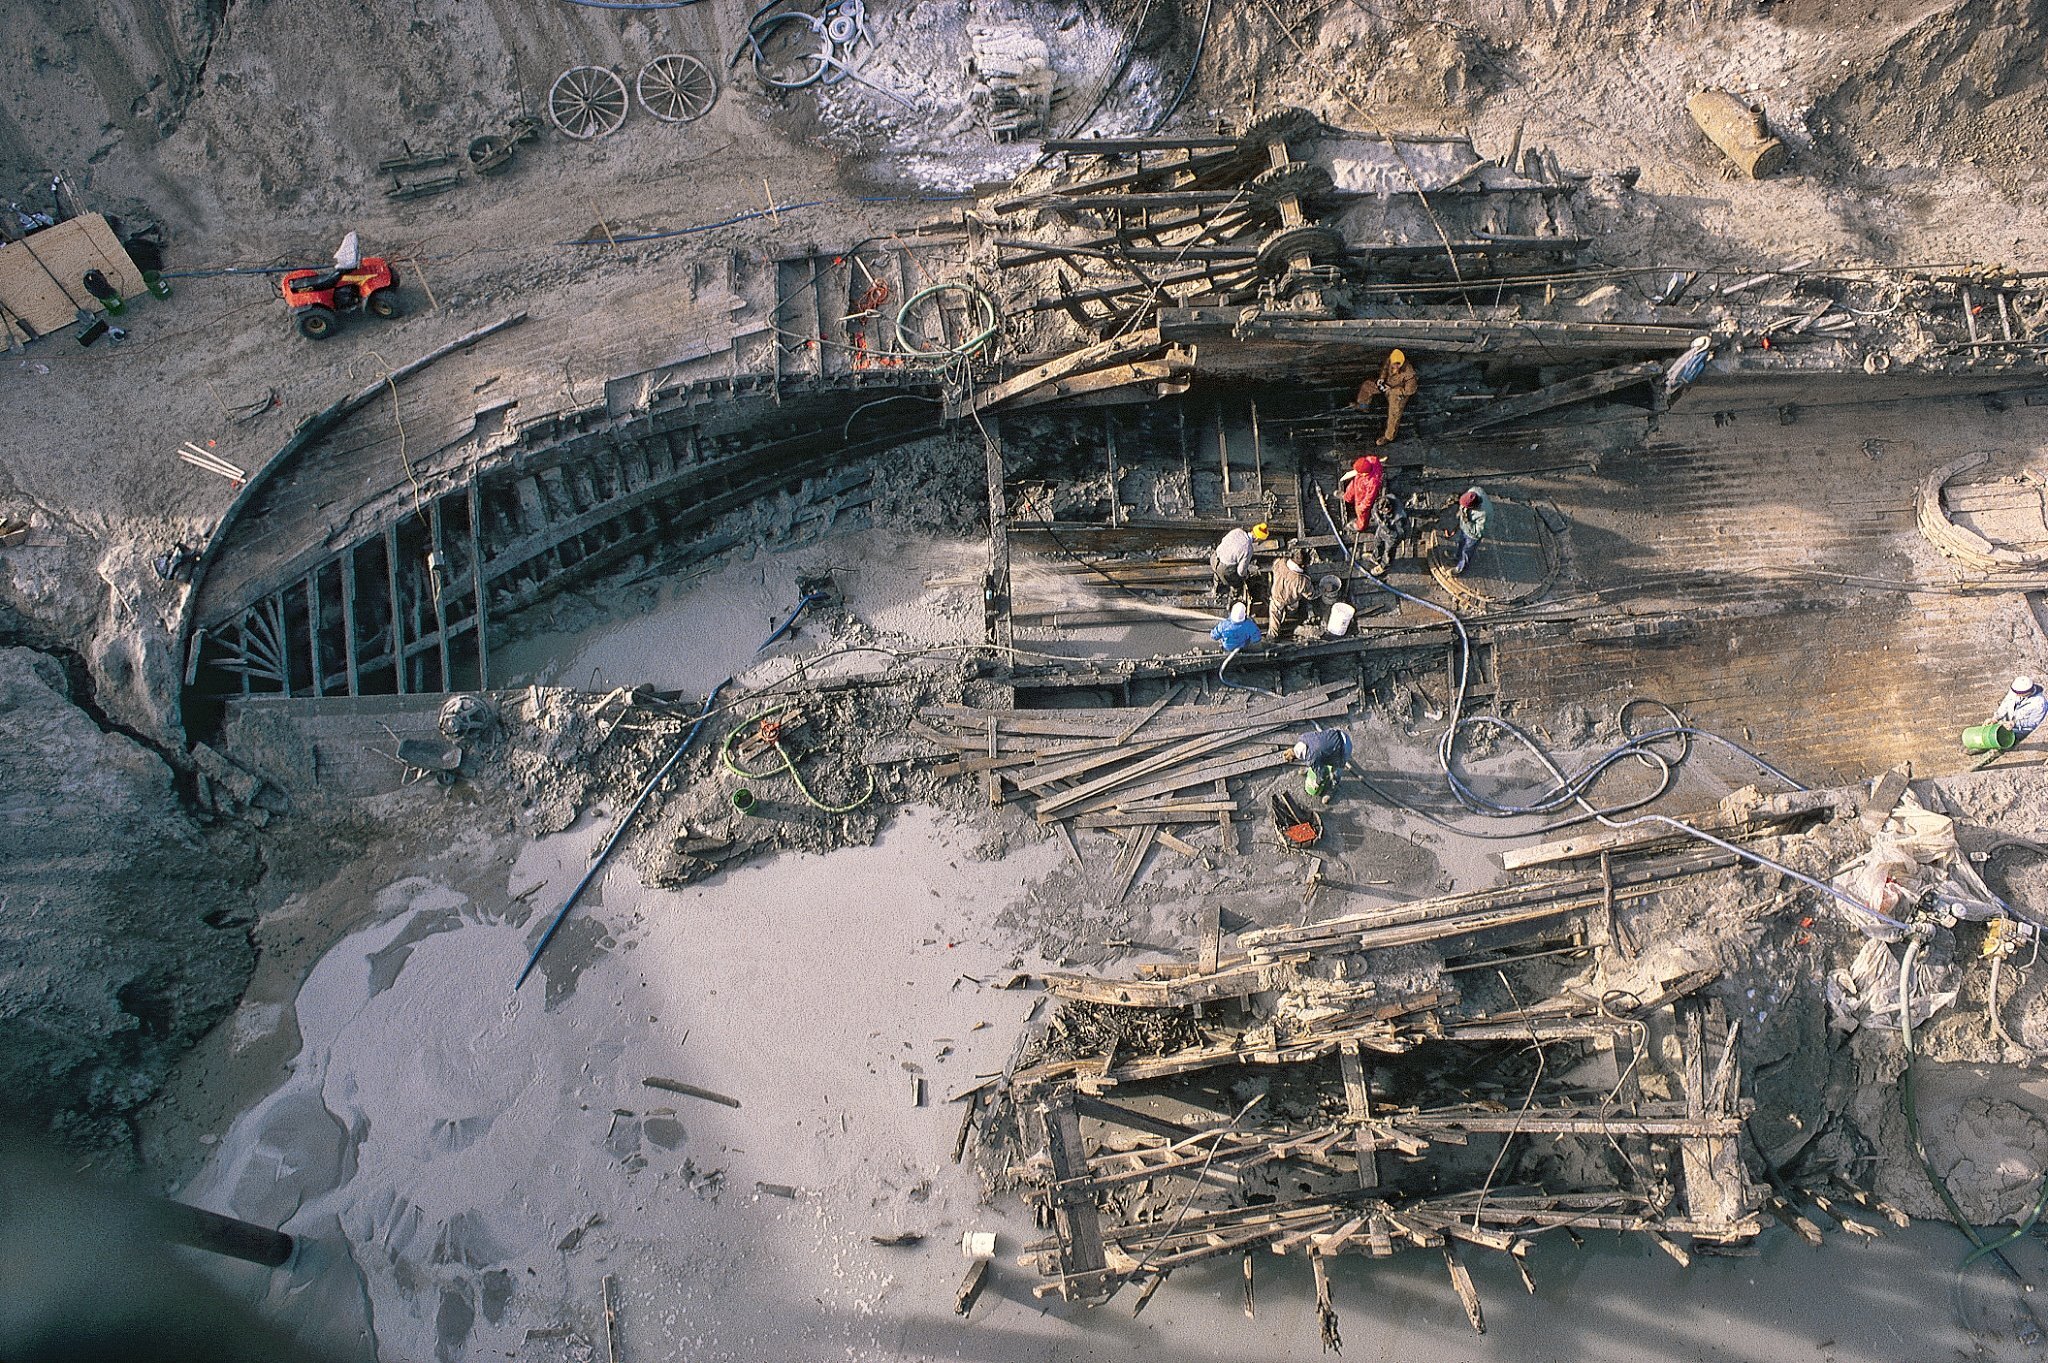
(688, 1090)
(1133, 860)
(1461, 1282)
(970, 1287)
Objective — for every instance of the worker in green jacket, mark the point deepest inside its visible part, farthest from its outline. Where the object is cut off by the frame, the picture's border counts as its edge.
(1475, 508)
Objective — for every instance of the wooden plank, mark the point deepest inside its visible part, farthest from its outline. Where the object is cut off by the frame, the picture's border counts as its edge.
(440, 549)
(1101, 355)
(42, 275)
(1151, 713)
(348, 620)
(1581, 389)
(476, 581)
(1731, 816)
(1236, 981)
(1169, 757)
(1103, 381)
(1083, 1259)
(1222, 769)
(970, 1287)
(313, 631)
(1127, 875)
(1358, 1106)
(1197, 324)
(1186, 849)
(1461, 1282)
(397, 612)
(1209, 936)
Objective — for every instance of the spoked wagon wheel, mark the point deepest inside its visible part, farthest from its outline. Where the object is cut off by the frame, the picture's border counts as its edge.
(676, 88)
(587, 102)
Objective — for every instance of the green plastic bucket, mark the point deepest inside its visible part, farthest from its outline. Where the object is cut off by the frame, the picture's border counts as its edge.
(157, 285)
(743, 800)
(1989, 738)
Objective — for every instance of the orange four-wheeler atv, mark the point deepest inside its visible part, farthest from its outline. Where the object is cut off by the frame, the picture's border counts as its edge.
(318, 297)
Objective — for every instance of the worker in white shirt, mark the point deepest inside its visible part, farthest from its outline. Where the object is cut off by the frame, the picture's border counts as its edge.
(2024, 707)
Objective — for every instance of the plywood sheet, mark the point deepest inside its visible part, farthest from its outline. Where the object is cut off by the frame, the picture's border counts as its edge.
(41, 276)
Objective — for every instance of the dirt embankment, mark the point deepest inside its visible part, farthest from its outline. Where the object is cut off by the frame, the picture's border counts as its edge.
(120, 939)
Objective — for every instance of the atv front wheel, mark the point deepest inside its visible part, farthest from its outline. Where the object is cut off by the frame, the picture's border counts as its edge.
(315, 323)
(384, 303)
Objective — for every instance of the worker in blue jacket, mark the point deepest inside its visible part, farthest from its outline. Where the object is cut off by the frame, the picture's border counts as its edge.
(1324, 752)
(1238, 631)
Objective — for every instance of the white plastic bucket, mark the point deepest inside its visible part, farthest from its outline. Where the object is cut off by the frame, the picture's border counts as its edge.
(1341, 616)
(978, 1244)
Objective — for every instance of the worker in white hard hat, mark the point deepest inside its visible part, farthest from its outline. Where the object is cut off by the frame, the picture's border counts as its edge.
(1231, 565)
(1399, 381)
(1238, 630)
(2024, 707)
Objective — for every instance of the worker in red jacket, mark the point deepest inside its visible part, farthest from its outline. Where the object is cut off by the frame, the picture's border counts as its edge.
(1361, 487)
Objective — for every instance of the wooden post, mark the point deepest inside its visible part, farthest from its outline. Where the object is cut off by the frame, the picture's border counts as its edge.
(1358, 1101)
(476, 582)
(348, 620)
(435, 584)
(997, 591)
(313, 631)
(397, 610)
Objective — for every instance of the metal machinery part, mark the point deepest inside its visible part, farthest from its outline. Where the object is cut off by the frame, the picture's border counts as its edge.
(676, 88)
(1299, 180)
(1321, 245)
(587, 102)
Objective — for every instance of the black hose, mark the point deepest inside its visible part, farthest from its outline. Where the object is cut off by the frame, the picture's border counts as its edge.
(1194, 65)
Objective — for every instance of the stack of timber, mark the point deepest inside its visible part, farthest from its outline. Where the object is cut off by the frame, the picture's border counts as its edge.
(1139, 773)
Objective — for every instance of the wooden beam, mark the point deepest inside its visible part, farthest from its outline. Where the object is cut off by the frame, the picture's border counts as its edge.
(348, 620)
(1106, 380)
(1496, 334)
(1562, 394)
(1101, 355)
(476, 582)
(1358, 1106)
(437, 585)
(397, 611)
(313, 631)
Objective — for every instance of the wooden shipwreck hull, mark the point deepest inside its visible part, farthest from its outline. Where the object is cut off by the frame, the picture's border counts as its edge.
(1288, 1099)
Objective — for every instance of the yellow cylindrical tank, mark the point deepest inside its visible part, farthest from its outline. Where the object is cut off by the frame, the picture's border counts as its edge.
(1739, 130)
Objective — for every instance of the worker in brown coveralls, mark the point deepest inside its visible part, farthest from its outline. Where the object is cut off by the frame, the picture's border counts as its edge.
(1292, 592)
(1399, 381)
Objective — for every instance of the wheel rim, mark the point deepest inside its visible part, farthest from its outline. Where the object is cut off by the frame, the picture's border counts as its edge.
(587, 102)
(676, 88)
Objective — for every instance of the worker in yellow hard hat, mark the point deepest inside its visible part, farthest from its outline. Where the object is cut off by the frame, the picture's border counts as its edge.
(1231, 565)
(1399, 381)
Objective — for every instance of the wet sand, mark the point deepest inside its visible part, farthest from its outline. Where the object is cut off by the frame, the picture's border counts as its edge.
(466, 1164)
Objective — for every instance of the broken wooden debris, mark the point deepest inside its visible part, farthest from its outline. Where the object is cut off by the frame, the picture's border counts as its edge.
(1140, 775)
(900, 1239)
(970, 1287)
(1349, 1156)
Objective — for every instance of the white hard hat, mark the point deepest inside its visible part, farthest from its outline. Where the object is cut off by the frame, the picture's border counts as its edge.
(1240, 612)
(1301, 752)
(2023, 685)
